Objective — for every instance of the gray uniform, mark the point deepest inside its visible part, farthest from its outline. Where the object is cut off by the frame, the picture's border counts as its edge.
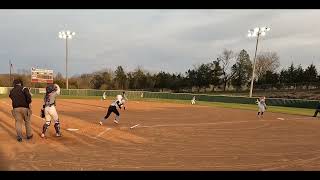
(50, 110)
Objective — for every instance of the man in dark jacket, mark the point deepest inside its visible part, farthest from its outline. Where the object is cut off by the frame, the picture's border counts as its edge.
(317, 110)
(21, 104)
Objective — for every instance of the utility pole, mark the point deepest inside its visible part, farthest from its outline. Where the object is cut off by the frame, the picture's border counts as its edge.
(10, 66)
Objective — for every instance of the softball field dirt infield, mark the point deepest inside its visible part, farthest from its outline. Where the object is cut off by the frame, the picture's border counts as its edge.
(161, 136)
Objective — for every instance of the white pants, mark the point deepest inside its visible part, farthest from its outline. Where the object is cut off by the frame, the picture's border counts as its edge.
(261, 108)
(193, 101)
(51, 114)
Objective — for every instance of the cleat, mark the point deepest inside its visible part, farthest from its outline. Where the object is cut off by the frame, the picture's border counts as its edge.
(115, 121)
(100, 123)
(30, 137)
(19, 139)
(58, 135)
(42, 135)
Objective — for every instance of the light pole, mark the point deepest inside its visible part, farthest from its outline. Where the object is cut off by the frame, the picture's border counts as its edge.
(256, 32)
(10, 66)
(66, 35)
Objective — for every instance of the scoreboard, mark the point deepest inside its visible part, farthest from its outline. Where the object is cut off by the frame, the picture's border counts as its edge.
(41, 75)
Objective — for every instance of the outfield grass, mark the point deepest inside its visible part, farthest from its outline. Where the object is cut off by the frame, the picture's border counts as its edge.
(3, 95)
(276, 109)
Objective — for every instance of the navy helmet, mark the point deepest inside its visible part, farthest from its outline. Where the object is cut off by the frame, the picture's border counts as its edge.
(50, 88)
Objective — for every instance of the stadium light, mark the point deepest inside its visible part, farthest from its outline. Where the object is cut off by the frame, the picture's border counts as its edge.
(66, 35)
(256, 32)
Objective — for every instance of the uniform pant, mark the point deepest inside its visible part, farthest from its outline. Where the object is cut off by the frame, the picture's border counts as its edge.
(112, 109)
(21, 115)
(50, 113)
(261, 110)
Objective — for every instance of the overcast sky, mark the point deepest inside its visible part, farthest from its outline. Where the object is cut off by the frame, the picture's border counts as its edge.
(170, 40)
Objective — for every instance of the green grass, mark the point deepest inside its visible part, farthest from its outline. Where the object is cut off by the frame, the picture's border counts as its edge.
(3, 95)
(276, 109)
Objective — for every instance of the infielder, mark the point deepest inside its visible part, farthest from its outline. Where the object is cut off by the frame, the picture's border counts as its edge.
(124, 97)
(261, 106)
(118, 103)
(193, 100)
(52, 91)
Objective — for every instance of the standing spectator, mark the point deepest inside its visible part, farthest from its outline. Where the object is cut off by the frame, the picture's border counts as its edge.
(21, 104)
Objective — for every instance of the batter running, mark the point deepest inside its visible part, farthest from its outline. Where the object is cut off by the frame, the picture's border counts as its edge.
(118, 103)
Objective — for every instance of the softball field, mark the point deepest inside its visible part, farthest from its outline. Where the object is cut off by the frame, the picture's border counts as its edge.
(161, 136)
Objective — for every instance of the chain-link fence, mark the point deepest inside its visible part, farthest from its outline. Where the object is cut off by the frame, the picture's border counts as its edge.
(301, 103)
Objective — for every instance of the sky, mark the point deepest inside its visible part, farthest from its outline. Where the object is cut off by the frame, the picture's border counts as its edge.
(156, 40)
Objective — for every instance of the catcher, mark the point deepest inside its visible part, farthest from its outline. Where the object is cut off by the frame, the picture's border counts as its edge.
(49, 111)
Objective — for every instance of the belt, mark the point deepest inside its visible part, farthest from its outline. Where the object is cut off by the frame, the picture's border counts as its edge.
(50, 105)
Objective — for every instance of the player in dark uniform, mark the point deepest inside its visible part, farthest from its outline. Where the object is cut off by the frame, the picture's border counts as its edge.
(317, 110)
(113, 108)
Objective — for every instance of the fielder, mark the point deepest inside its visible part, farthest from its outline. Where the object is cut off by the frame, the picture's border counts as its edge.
(261, 106)
(113, 108)
(124, 98)
(317, 110)
(52, 91)
(193, 100)
(104, 96)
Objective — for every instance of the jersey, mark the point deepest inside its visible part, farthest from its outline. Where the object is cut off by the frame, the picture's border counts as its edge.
(50, 99)
(262, 105)
(117, 103)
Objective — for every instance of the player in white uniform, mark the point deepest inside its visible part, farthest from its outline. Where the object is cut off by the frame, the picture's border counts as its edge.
(261, 106)
(118, 103)
(124, 99)
(52, 91)
(193, 100)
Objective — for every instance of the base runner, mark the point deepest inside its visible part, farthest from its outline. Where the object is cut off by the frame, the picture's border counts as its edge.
(113, 108)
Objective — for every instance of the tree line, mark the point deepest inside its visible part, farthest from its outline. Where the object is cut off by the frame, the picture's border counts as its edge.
(229, 71)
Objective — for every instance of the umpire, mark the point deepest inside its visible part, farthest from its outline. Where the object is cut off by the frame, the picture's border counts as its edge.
(21, 99)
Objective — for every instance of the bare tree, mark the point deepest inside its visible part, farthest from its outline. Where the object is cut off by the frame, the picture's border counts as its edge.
(225, 59)
(266, 61)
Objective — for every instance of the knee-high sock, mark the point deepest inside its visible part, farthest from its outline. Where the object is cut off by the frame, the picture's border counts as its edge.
(57, 127)
(45, 127)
